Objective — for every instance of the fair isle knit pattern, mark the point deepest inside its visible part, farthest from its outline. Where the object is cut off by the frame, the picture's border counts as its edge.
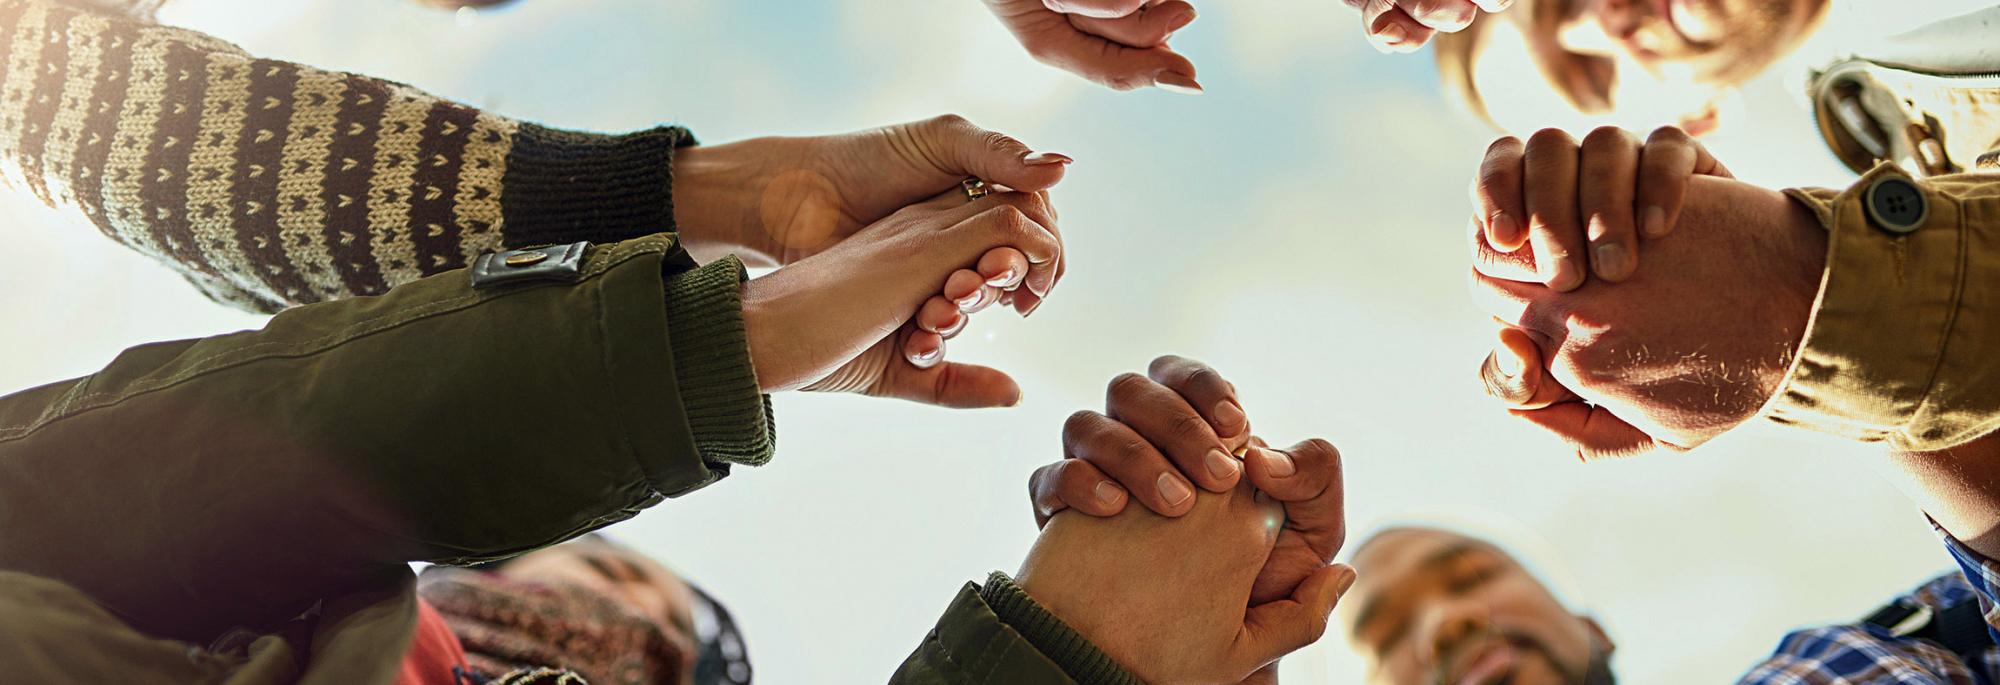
(270, 184)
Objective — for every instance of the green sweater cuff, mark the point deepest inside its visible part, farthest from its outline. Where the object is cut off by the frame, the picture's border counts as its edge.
(727, 413)
(1083, 661)
(566, 186)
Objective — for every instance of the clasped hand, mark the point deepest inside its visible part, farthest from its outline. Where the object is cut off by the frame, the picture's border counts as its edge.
(882, 256)
(1208, 586)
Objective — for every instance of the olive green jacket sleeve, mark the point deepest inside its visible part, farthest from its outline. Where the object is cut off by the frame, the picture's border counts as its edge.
(1901, 345)
(997, 634)
(199, 485)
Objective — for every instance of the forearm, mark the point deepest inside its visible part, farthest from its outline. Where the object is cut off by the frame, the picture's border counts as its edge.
(271, 184)
(195, 485)
(1958, 488)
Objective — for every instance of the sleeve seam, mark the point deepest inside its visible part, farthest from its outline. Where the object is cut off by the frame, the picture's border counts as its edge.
(266, 351)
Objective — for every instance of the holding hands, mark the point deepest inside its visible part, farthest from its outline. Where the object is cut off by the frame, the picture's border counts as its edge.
(1262, 585)
(885, 248)
(1672, 355)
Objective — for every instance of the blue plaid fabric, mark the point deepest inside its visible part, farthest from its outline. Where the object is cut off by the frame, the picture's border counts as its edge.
(1863, 653)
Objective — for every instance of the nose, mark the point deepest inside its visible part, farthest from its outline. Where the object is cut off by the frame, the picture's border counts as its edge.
(1445, 625)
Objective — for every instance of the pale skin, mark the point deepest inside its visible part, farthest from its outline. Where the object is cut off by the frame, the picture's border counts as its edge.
(886, 301)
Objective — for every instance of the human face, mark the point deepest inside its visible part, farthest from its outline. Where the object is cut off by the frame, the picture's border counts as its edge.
(1585, 47)
(621, 575)
(1434, 607)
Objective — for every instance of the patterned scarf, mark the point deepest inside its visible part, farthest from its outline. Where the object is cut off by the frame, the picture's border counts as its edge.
(507, 625)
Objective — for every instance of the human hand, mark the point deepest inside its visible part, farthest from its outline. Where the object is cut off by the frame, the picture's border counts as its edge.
(774, 201)
(838, 320)
(1678, 353)
(1172, 599)
(1559, 196)
(1120, 44)
(1406, 25)
(1178, 423)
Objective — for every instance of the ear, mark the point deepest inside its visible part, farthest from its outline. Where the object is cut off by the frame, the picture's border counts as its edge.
(1597, 633)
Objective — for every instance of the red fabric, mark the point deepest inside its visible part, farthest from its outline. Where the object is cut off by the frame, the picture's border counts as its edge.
(433, 652)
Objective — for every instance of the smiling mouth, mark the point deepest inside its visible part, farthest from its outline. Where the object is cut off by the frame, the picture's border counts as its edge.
(1493, 663)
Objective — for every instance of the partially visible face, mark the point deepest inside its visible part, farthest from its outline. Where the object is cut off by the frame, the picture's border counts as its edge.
(627, 577)
(1581, 45)
(1434, 607)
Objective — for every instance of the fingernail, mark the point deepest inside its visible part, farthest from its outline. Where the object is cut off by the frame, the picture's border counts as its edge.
(1041, 158)
(1654, 222)
(1611, 261)
(1108, 493)
(1503, 376)
(1502, 4)
(1003, 279)
(1220, 465)
(1393, 34)
(1345, 580)
(965, 304)
(1173, 489)
(1277, 463)
(1228, 417)
(1182, 22)
(1176, 83)
(1505, 229)
(926, 357)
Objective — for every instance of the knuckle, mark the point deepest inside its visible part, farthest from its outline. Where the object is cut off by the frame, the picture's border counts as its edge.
(1669, 135)
(948, 121)
(1319, 448)
(1126, 387)
(1503, 144)
(1080, 425)
(1550, 137)
(1605, 136)
(1000, 141)
(1187, 425)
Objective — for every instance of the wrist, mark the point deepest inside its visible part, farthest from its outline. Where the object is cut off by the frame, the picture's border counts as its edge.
(712, 195)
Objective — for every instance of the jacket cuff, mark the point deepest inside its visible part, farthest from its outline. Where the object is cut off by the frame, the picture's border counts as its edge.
(1077, 657)
(727, 413)
(568, 186)
(1895, 347)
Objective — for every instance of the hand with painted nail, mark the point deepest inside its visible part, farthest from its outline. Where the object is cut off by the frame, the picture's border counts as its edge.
(1174, 600)
(870, 315)
(1582, 209)
(1676, 354)
(1120, 44)
(1406, 25)
(774, 201)
(1179, 427)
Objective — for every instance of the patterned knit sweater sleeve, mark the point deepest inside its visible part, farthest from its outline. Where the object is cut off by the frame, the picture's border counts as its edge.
(270, 184)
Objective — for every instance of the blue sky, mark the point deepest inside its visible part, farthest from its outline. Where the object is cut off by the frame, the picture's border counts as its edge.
(1300, 226)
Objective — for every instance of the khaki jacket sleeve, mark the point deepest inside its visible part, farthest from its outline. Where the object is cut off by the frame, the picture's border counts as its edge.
(997, 634)
(198, 485)
(1901, 344)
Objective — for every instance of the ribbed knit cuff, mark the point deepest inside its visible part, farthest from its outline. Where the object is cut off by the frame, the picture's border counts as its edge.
(1083, 661)
(728, 415)
(565, 186)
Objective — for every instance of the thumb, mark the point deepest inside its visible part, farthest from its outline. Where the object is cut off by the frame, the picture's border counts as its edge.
(965, 149)
(1593, 431)
(1516, 375)
(951, 384)
(1279, 627)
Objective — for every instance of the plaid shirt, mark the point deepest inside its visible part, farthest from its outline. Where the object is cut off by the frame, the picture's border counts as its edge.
(1865, 653)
